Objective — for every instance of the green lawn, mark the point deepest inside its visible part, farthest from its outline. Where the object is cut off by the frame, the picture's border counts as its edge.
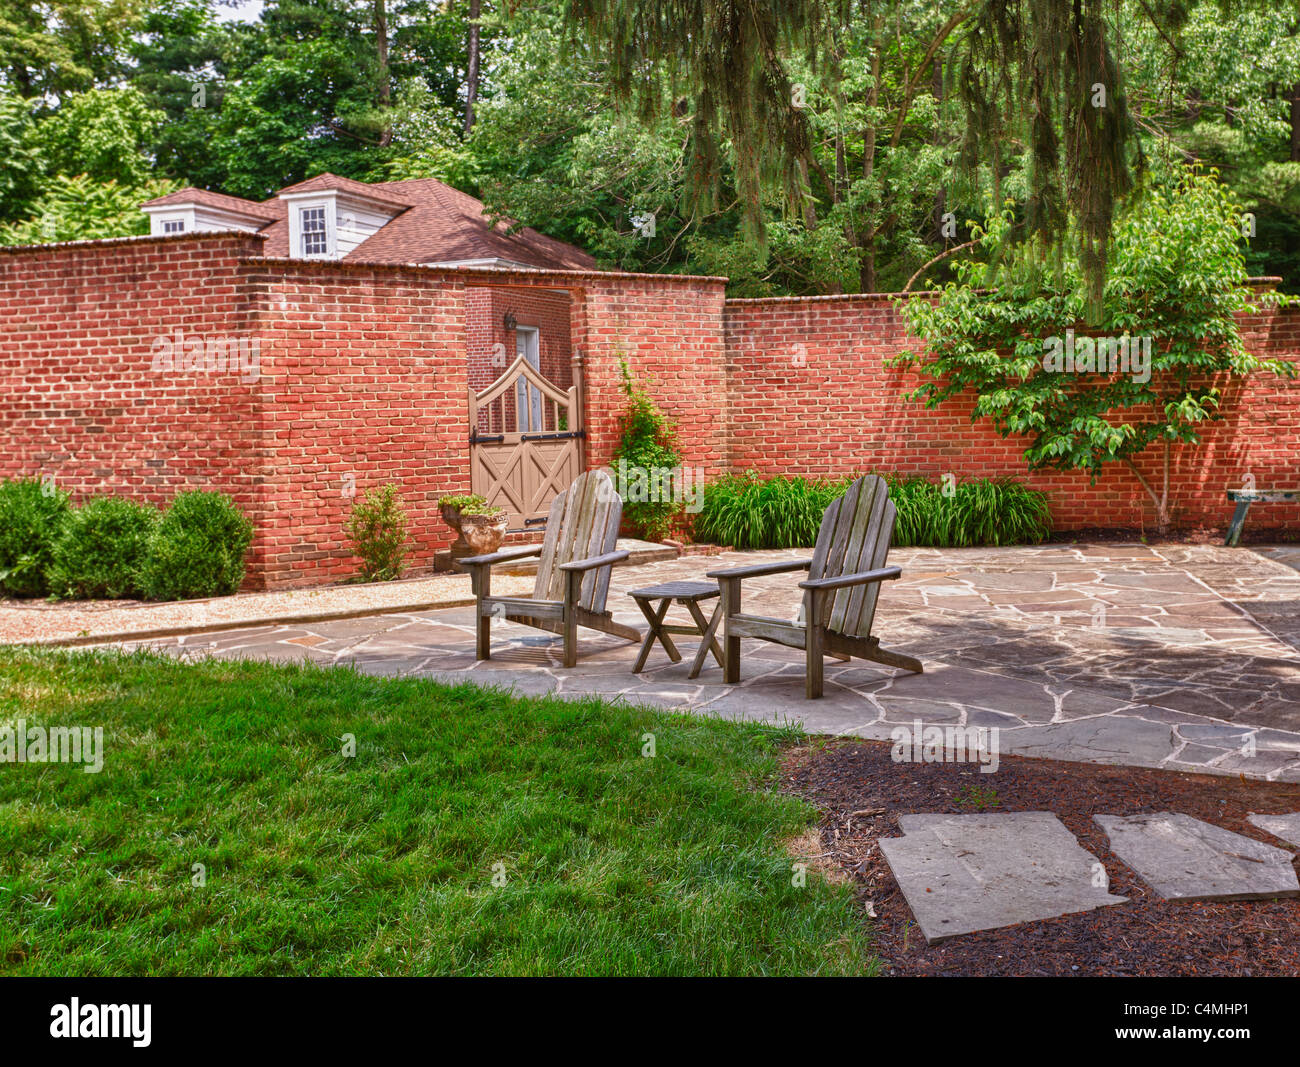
(383, 862)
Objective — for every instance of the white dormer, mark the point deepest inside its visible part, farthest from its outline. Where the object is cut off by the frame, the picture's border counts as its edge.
(193, 217)
(328, 224)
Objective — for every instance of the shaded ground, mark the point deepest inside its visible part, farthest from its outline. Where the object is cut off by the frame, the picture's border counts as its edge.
(1181, 656)
(861, 793)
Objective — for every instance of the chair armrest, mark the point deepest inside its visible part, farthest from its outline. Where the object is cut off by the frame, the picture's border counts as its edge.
(763, 568)
(606, 560)
(884, 574)
(499, 557)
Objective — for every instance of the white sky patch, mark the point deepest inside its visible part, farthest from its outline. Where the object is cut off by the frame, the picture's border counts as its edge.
(239, 10)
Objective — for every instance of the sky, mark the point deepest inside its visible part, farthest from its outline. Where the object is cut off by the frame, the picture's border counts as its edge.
(239, 10)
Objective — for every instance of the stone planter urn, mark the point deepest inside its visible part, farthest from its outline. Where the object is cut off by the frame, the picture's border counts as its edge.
(483, 533)
(476, 534)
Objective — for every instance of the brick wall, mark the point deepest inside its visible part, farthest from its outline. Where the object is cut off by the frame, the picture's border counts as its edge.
(82, 397)
(364, 383)
(668, 330)
(809, 393)
(364, 372)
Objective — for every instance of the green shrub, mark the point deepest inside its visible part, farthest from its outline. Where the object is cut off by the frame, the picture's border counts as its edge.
(377, 530)
(647, 443)
(980, 512)
(197, 549)
(31, 518)
(462, 501)
(102, 548)
(748, 512)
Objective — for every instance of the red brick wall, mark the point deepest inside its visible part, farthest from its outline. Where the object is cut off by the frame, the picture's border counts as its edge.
(365, 383)
(364, 373)
(80, 398)
(831, 407)
(669, 331)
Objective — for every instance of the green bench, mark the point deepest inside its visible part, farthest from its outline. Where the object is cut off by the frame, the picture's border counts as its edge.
(1243, 498)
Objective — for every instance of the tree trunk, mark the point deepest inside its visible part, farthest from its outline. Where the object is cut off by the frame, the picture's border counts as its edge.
(867, 273)
(471, 76)
(384, 94)
(1161, 499)
(1295, 123)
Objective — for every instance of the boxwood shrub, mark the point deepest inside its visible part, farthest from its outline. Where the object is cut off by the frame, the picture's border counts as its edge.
(102, 548)
(32, 516)
(197, 549)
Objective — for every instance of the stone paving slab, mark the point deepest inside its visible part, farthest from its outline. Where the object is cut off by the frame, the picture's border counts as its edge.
(1202, 676)
(1286, 827)
(962, 873)
(1183, 858)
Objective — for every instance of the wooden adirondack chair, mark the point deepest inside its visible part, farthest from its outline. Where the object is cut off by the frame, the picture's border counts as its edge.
(839, 599)
(577, 556)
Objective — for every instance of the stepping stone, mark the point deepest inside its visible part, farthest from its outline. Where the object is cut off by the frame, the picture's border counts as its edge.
(1287, 827)
(962, 873)
(1182, 858)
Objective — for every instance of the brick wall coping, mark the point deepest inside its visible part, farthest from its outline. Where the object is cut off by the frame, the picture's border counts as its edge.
(832, 298)
(237, 238)
(215, 236)
(1263, 281)
(488, 274)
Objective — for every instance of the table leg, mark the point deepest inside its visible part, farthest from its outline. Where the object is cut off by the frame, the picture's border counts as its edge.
(1238, 521)
(655, 617)
(707, 641)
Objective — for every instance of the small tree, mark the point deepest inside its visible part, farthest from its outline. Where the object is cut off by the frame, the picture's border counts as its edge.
(377, 530)
(1176, 287)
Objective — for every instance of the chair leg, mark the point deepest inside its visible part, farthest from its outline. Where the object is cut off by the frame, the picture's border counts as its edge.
(569, 624)
(814, 645)
(815, 673)
(894, 659)
(730, 645)
(481, 581)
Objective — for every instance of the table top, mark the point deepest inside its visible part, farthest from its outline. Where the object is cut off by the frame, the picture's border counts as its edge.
(677, 591)
(1263, 496)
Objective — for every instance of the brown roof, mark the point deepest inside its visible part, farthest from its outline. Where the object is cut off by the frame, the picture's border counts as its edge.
(435, 224)
(326, 181)
(445, 225)
(220, 201)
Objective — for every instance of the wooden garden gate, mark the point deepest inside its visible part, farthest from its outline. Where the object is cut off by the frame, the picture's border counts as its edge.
(525, 440)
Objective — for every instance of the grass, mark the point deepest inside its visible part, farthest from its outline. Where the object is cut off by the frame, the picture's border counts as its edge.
(750, 512)
(318, 863)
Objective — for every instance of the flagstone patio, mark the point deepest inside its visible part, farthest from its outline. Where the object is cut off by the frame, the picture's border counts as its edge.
(1176, 656)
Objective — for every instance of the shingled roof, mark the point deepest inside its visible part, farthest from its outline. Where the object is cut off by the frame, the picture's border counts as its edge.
(270, 210)
(435, 223)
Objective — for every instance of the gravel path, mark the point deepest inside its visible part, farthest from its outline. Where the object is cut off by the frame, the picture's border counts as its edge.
(77, 622)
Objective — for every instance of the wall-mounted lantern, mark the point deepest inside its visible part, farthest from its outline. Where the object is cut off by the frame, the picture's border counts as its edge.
(510, 321)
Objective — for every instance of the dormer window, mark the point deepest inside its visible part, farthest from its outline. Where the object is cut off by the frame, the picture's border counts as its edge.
(173, 225)
(313, 231)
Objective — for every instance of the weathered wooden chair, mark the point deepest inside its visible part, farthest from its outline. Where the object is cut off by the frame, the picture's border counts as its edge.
(573, 570)
(839, 598)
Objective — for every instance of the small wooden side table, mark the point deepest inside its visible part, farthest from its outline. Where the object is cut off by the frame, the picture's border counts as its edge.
(1243, 498)
(688, 594)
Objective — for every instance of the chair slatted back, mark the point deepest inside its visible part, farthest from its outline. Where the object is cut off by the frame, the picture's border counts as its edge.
(583, 522)
(855, 533)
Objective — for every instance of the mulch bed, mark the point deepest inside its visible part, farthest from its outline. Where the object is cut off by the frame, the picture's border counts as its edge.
(1201, 535)
(850, 780)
